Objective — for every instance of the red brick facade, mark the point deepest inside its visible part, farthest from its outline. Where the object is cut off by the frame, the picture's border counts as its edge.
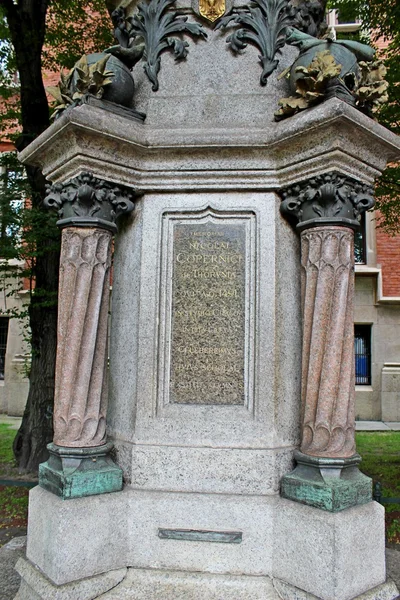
(388, 257)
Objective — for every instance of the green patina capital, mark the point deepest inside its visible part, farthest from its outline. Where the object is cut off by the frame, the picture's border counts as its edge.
(328, 199)
(87, 201)
(78, 472)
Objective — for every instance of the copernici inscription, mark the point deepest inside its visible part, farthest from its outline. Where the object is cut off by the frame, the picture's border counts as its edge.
(208, 313)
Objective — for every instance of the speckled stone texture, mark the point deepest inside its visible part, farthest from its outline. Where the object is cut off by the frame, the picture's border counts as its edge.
(80, 402)
(327, 258)
(35, 586)
(332, 556)
(141, 584)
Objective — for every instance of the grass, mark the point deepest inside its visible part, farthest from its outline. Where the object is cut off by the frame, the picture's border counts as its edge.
(7, 436)
(13, 500)
(380, 453)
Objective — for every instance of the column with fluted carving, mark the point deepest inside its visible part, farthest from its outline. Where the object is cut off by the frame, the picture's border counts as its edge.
(327, 209)
(79, 462)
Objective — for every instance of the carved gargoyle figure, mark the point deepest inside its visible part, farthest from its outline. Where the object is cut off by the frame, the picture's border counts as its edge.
(121, 33)
(130, 48)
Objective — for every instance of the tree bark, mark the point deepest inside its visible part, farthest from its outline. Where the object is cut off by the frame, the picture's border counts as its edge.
(27, 25)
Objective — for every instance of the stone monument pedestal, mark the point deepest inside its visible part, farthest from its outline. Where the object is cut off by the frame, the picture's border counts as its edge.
(230, 547)
(205, 382)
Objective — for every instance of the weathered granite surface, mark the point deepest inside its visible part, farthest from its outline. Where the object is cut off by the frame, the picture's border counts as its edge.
(328, 342)
(36, 586)
(141, 584)
(80, 403)
(330, 555)
(205, 447)
(331, 136)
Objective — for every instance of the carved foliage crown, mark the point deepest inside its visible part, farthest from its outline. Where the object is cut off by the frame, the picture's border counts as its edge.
(88, 201)
(331, 198)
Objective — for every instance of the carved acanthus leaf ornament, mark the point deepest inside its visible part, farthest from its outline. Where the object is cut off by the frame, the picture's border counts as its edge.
(149, 32)
(89, 198)
(263, 24)
(329, 198)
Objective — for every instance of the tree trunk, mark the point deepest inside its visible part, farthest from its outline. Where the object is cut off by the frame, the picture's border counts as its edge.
(26, 21)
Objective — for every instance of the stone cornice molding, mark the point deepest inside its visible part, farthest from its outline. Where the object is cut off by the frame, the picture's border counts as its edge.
(87, 201)
(328, 199)
(330, 137)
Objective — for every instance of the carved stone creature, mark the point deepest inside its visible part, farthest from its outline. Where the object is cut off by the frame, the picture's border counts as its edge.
(310, 16)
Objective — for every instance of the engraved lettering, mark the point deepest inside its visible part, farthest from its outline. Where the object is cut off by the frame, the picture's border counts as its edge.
(208, 312)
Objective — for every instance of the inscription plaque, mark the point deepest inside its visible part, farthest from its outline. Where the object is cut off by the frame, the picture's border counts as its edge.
(207, 356)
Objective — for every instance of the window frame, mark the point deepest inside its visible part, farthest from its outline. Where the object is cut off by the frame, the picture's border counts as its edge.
(363, 353)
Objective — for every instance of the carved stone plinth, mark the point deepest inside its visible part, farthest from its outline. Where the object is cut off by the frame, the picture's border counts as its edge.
(326, 475)
(78, 463)
(331, 484)
(78, 472)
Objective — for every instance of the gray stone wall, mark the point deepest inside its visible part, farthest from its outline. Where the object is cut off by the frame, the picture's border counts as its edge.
(14, 387)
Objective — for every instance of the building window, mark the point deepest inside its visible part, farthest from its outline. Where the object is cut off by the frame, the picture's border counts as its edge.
(362, 352)
(3, 344)
(360, 248)
(12, 185)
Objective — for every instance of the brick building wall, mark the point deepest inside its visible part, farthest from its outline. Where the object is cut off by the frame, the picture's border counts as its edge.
(388, 257)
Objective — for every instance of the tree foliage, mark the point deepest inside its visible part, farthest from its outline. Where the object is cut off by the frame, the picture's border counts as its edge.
(381, 21)
(37, 36)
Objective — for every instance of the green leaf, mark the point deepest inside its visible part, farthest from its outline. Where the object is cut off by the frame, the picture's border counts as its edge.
(55, 92)
(100, 65)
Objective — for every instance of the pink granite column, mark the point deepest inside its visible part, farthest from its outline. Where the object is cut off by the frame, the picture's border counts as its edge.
(327, 210)
(327, 260)
(80, 463)
(80, 401)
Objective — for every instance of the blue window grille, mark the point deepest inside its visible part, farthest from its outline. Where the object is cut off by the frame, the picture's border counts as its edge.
(362, 353)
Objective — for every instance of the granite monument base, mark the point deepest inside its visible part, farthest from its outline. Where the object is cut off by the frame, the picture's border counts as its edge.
(36, 586)
(334, 556)
(157, 584)
(201, 546)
